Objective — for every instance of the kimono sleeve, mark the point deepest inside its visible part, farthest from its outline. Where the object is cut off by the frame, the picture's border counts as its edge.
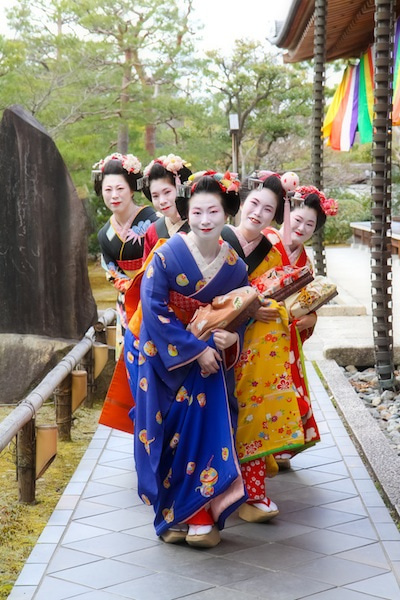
(113, 274)
(118, 279)
(150, 240)
(231, 355)
(162, 333)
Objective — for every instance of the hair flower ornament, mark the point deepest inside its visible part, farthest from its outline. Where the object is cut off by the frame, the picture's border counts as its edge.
(172, 163)
(228, 182)
(129, 162)
(328, 205)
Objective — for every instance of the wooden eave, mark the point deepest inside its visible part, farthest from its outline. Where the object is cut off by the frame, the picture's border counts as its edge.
(350, 29)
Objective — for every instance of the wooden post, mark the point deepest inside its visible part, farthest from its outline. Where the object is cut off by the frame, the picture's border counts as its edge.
(87, 364)
(317, 151)
(63, 402)
(26, 463)
(381, 258)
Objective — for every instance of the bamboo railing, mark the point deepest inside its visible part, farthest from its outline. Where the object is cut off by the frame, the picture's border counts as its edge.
(21, 421)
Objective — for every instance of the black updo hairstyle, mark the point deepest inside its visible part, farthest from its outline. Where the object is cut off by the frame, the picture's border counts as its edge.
(114, 167)
(313, 201)
(158, 171)
(230, 200)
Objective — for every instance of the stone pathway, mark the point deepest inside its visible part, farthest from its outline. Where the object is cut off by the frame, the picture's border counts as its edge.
(334, 538)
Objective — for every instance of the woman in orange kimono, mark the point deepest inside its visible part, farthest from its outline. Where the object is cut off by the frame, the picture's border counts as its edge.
(269, 418)
(310, 208)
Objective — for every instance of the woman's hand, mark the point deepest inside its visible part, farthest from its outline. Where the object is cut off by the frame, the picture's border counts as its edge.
(306, 322)
(224, 339)
(209, 361)
(266, 314)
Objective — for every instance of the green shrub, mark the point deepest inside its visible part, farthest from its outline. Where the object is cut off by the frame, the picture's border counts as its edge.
(352, 207)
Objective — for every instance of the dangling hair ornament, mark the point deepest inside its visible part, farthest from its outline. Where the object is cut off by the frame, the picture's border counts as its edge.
(290, 182)
(328, 205)
(256, 179)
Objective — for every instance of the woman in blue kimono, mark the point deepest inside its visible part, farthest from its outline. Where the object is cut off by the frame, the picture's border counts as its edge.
(186, 410)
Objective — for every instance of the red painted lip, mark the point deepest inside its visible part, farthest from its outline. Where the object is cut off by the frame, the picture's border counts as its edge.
(206, 230)
(166, 208)
(253, 220)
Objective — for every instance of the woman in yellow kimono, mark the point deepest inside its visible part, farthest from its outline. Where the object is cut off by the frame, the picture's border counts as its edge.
(269, 418)
(310, 208)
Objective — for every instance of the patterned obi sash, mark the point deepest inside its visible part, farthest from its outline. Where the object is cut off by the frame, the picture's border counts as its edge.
(130, 266)
(183, 306)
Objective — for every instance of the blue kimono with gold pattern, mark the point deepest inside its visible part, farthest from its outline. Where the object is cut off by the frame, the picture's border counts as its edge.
(184, 421)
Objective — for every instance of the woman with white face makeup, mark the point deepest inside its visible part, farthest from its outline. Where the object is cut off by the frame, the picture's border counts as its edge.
(269, 418)
(310, 208)
(161, 178)
(116, 178)
(185, 413)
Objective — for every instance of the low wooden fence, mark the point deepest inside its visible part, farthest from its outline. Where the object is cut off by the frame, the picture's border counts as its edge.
(35, 445)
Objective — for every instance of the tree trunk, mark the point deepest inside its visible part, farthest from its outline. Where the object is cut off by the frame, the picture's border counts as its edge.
(123, 130)
(317, 121)
(381, 257)
(150, 139)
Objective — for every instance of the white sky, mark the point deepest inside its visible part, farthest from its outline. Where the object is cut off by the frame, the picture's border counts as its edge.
(224, 20)
(227, 20)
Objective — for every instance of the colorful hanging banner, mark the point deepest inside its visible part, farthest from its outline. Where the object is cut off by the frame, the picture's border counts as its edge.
(351, 109)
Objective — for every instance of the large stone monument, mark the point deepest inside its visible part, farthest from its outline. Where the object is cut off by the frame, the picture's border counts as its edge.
(44, 284)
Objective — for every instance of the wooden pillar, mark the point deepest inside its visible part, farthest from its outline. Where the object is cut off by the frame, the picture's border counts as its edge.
(63, 402)
(381, 258)
(88, 365)
(26, 463)
(317, 152)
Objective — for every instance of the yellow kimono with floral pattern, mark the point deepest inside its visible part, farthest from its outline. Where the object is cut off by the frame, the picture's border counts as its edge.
(269, 417)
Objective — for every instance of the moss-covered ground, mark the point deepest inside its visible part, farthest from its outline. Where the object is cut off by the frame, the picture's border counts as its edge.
(22, 524)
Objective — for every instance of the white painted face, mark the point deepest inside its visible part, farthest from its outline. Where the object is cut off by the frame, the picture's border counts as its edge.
(163, 195)
(303, 222)
(258, 210)
(206, 216)
(117, 194)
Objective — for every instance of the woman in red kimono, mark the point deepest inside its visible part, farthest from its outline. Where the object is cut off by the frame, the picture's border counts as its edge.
(309, 211)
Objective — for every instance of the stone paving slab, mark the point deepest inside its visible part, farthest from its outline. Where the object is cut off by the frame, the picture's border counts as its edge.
(333, 540)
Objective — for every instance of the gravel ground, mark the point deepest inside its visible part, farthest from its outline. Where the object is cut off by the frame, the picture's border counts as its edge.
(383, 406)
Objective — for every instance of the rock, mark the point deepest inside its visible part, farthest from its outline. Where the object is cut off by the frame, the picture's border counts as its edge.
(393, 426)
(376, 400)
(375, 413)
(351, 369)
(387, 396)
(368, 376)
(44, 284)
(37, 354)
